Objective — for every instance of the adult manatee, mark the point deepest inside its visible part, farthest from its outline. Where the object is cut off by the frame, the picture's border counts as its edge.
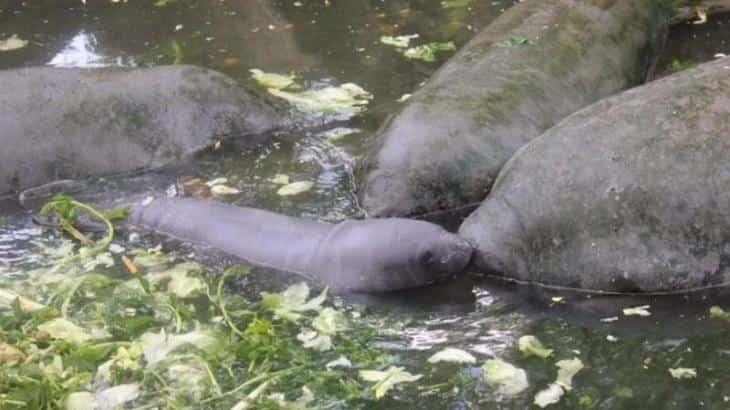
(73, 123)
(629, 194)
(374, 255)
(538, 62)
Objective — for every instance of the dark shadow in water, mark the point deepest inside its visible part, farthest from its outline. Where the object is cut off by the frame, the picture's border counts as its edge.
(690, 44)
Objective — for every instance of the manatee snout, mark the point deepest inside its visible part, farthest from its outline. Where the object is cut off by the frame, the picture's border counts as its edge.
(449, 255)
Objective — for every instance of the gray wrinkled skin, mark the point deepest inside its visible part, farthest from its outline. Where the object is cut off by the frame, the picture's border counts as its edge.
(446, 146)
(73, 123)
(629, 194)
(360, 256)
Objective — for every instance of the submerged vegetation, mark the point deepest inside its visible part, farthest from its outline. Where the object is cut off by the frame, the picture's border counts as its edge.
(105, 327)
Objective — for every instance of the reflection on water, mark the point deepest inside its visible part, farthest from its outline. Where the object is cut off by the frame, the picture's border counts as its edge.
(337, 42)
(82, 51)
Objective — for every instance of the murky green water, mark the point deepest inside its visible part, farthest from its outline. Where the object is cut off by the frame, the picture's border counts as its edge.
(334, 41)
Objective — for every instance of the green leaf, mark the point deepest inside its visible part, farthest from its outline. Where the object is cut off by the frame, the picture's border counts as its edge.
(292, 302)
(683, 373)
(452, 355)
(272, 80)
(344, 101)
(12, 43)
(398, 41)
(530, 345)
(156, 346)
(550, 395)
(64, 329)
(386, 380)
(716, 312)
(427, 52)
(566, 370)
(506, 378)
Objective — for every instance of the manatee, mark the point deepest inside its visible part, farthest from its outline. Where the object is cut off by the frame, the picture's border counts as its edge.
(373, 255)
(538, 62)
(629, 194)
(73, 123)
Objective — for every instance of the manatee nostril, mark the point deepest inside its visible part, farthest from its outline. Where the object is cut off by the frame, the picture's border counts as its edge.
(427, 258)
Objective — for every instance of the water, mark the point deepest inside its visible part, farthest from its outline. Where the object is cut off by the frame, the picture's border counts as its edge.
(336, 42)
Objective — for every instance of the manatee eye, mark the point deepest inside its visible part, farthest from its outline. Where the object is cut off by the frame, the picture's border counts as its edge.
(426, 258)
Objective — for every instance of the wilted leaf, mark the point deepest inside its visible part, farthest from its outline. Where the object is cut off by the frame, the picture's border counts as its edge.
(508, 379)
(386, 380)
(452, 355)
(10, 353)
(530, 345)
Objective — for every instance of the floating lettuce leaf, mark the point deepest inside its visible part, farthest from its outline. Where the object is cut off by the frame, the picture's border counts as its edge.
(180, 280)
(64, 329)
(292, 302)
(508, 379)
(384, 381)
(81, 400)
(566, 370)
(313, 340)
(156, 346)
(427, 52)
(683, 373)
(452, 355)
(295, 188)
(190, 378)
(280, 179)
(342, 361)
(272, 80)
(329, 322)
(398, 41)
(637, 311)
(12, 43)
(716, 312)
(344, 101)
(114, 397)
(550, 395)
(531, 346)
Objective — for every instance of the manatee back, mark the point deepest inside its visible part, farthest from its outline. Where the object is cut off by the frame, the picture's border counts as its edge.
(72, 123)
(628, 194)
(537, 63)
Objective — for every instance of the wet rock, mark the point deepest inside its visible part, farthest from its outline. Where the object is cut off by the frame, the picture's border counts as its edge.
(73, 123)
(629, 194)
(535, 64)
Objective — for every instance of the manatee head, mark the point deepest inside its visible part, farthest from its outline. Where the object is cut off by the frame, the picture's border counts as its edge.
(381, 255)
